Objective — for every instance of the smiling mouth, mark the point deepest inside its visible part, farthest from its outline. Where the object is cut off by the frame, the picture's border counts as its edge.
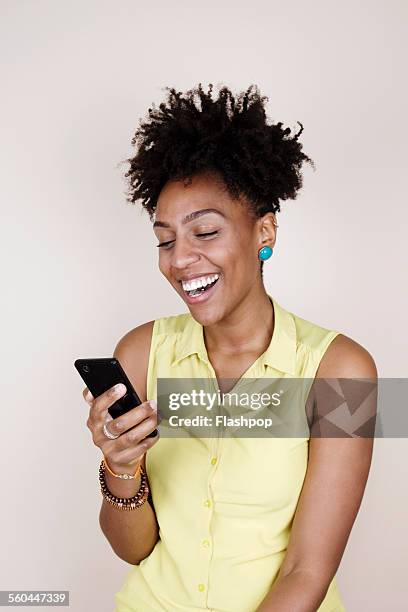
(200, 290)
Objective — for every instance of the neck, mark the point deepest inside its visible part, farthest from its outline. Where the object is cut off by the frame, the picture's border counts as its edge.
(247, 329)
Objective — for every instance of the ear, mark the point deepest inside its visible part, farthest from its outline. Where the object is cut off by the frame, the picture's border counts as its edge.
(267, 230)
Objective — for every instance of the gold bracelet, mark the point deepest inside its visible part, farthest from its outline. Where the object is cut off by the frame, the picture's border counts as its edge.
(123, 476)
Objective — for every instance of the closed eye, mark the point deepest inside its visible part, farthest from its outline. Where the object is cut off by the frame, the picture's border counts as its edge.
(208, 233)
(164, 244)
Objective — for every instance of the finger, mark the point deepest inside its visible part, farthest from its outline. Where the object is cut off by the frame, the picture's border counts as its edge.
(100, 406)
(137, 434)
(131, 418)
(126, 456)
(87, 395)
(129, 438)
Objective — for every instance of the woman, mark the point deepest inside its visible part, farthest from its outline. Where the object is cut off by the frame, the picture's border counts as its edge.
(242, 523)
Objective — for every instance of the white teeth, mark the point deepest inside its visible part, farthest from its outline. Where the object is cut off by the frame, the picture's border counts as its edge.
(199, 282)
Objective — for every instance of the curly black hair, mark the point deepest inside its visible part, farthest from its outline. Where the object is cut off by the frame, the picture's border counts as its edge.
(227, 135)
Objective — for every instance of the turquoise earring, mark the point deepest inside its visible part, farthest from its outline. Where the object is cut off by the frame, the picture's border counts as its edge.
(265, 253)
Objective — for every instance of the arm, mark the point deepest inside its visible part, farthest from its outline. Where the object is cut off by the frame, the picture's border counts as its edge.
(330, 499)
(132, 534)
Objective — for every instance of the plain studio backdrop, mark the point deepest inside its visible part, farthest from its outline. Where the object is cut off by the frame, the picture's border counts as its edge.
(79, 264)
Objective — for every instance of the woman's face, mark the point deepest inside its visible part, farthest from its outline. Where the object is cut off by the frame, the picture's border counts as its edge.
(210, 258)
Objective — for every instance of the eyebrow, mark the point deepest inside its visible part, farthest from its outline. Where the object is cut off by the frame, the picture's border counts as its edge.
(191, 216)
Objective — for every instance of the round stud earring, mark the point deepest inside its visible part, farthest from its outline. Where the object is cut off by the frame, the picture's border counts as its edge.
(265, 253)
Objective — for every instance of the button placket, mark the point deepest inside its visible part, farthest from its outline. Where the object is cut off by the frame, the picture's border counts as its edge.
(205, 543)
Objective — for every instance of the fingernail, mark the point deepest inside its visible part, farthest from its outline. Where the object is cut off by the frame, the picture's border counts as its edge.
(88, 396)
(153, 404)
(119, 388)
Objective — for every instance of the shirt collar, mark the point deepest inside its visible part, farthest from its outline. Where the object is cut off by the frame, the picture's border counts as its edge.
(280, 354)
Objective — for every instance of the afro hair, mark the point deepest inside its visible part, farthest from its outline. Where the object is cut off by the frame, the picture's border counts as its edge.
(230, 136)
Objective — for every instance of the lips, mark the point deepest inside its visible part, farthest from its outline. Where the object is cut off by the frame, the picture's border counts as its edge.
(193, 276)
(202, 296)
(200, 283)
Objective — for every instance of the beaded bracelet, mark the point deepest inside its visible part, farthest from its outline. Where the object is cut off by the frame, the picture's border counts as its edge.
(124, 503)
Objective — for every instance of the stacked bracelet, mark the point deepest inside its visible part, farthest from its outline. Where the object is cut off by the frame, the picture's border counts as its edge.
(124, 503)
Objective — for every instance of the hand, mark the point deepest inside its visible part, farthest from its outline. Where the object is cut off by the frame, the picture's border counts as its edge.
(126, 452)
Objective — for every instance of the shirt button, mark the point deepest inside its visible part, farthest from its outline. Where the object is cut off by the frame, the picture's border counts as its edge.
(201, 586)
(205, 542)
(213, 460)
(207, 503)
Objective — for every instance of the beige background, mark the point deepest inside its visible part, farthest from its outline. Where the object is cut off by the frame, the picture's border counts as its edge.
(80, 265)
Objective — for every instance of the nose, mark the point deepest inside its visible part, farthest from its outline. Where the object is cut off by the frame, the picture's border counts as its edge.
(183, 254)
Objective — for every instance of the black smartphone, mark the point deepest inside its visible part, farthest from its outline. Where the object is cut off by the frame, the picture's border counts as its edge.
(100, 374)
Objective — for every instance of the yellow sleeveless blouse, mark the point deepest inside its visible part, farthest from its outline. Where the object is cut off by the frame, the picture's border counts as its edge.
(224, 505)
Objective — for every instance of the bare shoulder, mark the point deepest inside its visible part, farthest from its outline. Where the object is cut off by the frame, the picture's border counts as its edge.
(346, 358)
(133, 351)
(138, 336)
